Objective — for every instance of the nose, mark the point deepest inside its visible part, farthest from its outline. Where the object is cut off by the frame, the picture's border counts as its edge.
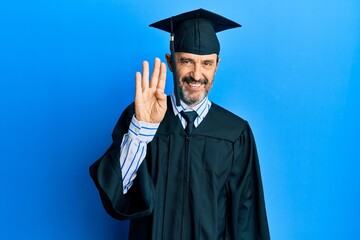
(196, 73)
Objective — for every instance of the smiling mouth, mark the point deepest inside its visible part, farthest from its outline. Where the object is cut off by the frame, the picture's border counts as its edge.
(193, 83)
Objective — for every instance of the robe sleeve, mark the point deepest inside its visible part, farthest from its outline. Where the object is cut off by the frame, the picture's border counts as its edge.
(247, 214)
(106, 174)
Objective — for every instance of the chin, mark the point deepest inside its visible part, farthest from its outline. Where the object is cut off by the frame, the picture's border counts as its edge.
(192, 100)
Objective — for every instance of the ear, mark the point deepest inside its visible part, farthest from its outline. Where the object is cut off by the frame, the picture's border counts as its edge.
(168, 60)
(217, 63)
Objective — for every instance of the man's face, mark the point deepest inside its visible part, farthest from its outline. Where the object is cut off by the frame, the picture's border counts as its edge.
(195, 75)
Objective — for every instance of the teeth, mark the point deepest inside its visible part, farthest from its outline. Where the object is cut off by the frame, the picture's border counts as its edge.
(195, 84)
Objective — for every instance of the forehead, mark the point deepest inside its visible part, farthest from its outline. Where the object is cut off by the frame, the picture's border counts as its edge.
(196, 57)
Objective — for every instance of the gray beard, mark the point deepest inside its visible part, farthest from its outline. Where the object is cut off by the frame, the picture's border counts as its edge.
(183, 96)
(182, 90)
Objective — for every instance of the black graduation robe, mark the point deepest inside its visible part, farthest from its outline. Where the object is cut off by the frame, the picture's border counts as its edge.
(206, 186)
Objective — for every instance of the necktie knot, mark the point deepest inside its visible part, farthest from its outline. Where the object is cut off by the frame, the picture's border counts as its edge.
(190, 118)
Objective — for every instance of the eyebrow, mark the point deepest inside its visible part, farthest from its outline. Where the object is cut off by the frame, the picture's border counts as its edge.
(209, 60)
(187, 59)
(192, 60)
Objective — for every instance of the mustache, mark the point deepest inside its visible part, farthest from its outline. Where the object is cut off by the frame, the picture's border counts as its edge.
(192, 80)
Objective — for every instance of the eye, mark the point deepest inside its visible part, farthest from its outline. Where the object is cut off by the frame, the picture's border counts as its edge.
(186, 62)
(208, 64)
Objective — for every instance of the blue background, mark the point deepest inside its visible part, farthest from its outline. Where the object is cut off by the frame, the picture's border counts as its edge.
(67, 71)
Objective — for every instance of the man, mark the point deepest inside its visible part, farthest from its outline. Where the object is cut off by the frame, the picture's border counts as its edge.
(182, 167)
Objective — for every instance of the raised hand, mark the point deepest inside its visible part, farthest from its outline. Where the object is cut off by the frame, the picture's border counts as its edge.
(150, 99)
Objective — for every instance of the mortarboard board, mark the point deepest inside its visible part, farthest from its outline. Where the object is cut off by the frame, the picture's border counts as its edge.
(194, 32)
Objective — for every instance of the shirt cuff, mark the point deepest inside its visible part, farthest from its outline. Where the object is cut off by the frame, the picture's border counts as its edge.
(142, 131)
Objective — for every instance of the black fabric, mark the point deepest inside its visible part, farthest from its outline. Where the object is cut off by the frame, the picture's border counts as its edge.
(195, 31)
(190, 118)
(207, 186)
(196, 36)
(219, 22)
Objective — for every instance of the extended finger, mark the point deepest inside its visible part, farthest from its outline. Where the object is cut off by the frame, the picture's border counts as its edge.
(155, 73)
(145, 75)
(138, 88)
(162, 77)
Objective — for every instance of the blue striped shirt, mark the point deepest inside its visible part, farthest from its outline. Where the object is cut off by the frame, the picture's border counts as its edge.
(134, 143)
(201, 109)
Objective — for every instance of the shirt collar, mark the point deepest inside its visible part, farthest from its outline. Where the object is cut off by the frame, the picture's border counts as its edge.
(201, 108)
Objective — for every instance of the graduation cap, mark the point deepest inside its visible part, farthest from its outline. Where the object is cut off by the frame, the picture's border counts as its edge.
(194, 32)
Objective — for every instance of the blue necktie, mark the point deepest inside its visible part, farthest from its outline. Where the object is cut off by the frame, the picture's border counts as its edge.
(190, 118)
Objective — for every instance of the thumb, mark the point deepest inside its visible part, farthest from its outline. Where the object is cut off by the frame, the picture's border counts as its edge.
(160, 94)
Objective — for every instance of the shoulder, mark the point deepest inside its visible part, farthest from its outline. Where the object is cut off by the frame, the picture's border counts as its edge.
(224, 114)
(223, 124)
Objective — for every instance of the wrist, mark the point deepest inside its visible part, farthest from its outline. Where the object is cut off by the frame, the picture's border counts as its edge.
(141, 130)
